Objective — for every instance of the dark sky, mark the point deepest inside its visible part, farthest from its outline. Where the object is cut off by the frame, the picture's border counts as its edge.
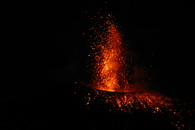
(45, 42)
(45, 52)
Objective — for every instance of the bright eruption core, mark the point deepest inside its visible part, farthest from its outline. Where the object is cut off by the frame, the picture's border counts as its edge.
(109, 64)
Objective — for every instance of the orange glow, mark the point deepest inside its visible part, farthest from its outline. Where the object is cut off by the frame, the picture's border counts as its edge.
(109, 66)
(110, 81)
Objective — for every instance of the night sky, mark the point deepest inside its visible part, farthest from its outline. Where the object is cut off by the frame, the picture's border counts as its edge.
(45, 53)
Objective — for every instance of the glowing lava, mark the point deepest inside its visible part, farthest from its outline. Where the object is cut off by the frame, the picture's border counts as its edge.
(111, 81)
(109, 62)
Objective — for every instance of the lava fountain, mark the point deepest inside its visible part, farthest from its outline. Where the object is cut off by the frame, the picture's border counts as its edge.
(109, 64)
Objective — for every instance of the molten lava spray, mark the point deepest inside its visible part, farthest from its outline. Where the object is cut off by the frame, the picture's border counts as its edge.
(109, 65)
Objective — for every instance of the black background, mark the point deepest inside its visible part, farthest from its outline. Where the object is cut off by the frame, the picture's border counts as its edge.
(44, 52)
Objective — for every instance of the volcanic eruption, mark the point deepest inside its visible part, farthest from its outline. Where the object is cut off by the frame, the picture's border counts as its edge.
(112, 85)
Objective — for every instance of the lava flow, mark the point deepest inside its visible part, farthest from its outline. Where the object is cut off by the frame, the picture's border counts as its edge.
(111, 83)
